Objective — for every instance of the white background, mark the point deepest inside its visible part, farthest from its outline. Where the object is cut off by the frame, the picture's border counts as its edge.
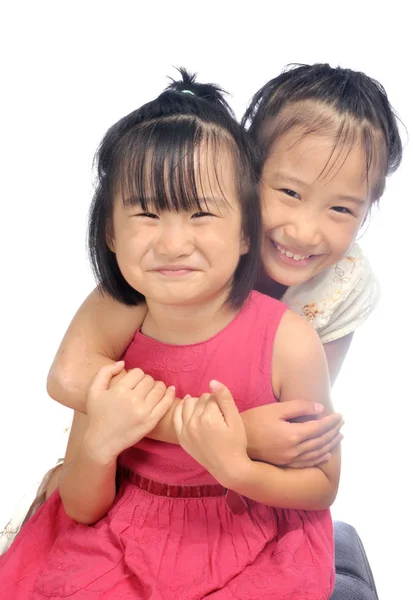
(69, 70)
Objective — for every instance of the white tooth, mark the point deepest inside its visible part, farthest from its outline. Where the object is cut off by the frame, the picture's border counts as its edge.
(296, 257)
(289, 254)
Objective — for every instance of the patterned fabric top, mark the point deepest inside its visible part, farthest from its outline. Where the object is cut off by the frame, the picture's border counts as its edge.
(339, 299)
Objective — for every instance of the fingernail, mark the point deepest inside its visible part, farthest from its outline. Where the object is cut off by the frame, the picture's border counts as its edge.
(185, 397)
(120, 362)
(318, 407)
(215, 385)
(172, 389)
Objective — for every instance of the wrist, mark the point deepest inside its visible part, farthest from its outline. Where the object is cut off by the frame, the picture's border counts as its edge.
(234, 476)
(253, 441)
(97, 450)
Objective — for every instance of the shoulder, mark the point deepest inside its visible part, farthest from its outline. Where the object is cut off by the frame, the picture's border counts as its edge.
(295, 338)
(339, 299)
(297, 350)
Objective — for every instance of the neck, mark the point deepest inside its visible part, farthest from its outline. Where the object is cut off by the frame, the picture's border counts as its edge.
(188, 324)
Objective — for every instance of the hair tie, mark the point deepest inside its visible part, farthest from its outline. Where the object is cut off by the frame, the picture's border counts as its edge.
(188, 92)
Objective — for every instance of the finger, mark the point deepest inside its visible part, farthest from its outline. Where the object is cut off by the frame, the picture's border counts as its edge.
(300, 408)
(188, 409)
(144, 386)
(131, 379)
(225, 401)
(315, 429)
(315, 456)
(117, 378)
(319, 443)
(199, 408)
(160, 409)
(155, 394)
(212, 410)
(104, 375)
(177, 419)
(307, 464)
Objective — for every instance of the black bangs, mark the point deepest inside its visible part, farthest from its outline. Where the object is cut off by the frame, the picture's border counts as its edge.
(160, 165)
(348, 95)
(310, 118)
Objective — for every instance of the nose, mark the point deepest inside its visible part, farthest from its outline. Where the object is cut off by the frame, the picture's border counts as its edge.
(175, 238)
(302, 231)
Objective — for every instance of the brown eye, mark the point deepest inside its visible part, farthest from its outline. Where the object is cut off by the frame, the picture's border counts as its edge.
(342, 210)
(290, 193)
(200, 214)
(148, 215)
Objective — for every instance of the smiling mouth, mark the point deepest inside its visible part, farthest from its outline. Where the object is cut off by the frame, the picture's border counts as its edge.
(290, 254)
(291, 258)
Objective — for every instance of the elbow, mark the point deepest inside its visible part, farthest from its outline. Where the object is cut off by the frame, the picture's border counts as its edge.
(85, 512)
(84, 517)
(61, 382)
(325, 501)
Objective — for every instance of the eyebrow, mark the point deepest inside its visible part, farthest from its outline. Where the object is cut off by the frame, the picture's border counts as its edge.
(290, 178)
(355, 199)
(345, 197)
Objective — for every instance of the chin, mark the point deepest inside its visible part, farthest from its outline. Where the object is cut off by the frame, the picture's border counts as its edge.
(289, 280)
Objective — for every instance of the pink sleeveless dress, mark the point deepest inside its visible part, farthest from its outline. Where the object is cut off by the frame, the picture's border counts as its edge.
(173, 532)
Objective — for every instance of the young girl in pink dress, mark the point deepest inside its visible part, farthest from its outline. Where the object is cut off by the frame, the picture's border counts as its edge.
(176, 222)
(328, 138)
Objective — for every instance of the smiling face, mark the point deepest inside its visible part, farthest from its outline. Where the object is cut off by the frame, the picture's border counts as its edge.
(315, 197)
(188, 255)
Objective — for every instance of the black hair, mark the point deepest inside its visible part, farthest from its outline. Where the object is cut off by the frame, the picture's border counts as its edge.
(346, 103)
(150, 154)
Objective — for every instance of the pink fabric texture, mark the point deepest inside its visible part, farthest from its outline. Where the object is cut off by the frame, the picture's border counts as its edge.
(173, 532)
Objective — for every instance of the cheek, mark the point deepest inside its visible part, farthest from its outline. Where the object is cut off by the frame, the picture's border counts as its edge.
(227, 240)
(129, 246)
(342, 238)
(272, 213)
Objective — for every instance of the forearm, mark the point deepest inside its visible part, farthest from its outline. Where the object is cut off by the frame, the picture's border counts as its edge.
(253, 421)
(297, 489)
(98, 335)
(165, 430)
(87, 486)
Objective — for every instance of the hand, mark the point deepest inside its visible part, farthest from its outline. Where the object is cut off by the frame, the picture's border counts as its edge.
(122, 414)
(211, 430)
(273, 439)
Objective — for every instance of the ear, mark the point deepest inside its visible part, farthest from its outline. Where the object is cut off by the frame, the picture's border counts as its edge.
(110, 242)
(245, 245)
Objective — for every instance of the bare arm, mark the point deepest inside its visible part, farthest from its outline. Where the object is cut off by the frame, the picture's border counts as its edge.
(336, 352)
(83, 475)
(99, 334)
(88, 485)
(271, 438)
(299, 371)
(118, 417)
